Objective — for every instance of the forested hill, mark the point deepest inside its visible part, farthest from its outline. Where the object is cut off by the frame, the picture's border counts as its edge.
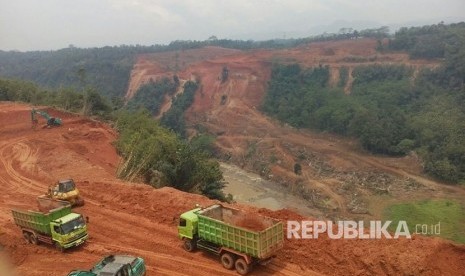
(392, 109)
(108, 69)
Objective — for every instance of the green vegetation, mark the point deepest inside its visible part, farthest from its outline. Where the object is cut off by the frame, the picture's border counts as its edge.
(174, 118)
(450, 215)
(343, 76)
(389, 110)
(88, 101)
(427, 41)
(151, 95)
(154, 152)
(386, 111)
(107, 69)
(162, 159)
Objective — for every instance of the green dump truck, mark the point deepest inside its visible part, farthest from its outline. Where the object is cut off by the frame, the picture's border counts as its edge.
(115, 265)
(240, 239)
(54, 223)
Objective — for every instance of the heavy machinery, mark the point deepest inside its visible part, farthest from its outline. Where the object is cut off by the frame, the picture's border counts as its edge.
(51, 121)
(66, 190)
(240, 239)
(54, 224)
(115, 265)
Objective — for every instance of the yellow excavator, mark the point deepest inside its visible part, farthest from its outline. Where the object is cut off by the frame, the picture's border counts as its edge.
(66, 190)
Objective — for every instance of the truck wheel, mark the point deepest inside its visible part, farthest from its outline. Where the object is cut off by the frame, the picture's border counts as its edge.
(33, 239)
(242, 267)
(227, 260)
(189, 245)
(26, 236)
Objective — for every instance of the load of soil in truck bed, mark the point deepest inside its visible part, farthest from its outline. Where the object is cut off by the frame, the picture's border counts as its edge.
(251, 223)
(238, 218)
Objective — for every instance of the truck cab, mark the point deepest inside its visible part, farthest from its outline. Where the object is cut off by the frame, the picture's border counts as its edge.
(69, 231)
(187, 227)
(115, 265)
(54, 224)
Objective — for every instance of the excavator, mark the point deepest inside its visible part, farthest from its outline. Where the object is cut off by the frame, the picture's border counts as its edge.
(51, 121)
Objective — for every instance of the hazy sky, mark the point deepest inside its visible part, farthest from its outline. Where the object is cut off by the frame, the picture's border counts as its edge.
(54, 24)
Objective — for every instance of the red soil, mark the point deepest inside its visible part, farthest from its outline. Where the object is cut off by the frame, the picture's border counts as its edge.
(251, 223)
(137, 219)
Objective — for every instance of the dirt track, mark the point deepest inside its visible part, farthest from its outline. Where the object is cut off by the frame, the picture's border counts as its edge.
(136, 219)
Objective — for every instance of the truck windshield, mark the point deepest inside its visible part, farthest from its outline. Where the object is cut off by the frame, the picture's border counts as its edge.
(72, 225)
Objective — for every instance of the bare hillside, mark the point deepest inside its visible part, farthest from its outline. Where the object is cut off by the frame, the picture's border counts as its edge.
(338, 178)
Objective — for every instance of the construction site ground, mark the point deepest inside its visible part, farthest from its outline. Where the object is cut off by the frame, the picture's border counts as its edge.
(338, 179)
(137, 219)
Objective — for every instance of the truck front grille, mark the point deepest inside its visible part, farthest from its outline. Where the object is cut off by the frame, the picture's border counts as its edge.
(78, 237)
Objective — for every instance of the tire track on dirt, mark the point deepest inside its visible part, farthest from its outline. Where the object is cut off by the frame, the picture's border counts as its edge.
(17, 150)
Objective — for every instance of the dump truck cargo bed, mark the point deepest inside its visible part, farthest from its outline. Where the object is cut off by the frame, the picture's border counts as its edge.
(47, 204)
(256, 236)
(39, 221)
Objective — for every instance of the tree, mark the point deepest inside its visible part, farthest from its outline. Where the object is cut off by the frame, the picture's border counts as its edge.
(94, 103)
(224, 74)
(158, 157)
(152, 94)
(174, 117)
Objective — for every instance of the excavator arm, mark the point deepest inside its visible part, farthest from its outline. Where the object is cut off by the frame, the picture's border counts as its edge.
(51, 121)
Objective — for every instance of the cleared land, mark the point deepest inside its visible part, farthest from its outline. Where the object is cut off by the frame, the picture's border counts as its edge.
(337, 180)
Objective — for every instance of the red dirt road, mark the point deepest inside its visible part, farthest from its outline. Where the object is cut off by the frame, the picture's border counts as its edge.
(136, 219)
